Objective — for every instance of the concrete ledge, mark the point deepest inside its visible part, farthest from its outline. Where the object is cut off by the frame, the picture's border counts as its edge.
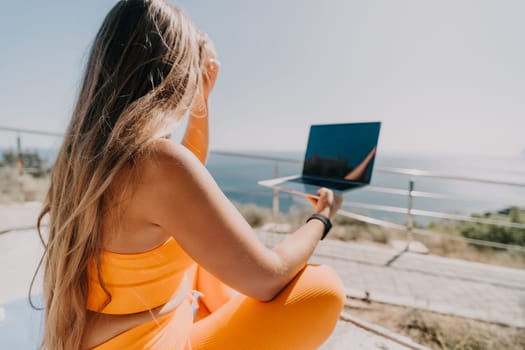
(383, 332)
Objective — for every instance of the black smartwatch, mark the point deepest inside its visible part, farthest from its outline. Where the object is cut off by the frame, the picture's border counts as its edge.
(326, 221)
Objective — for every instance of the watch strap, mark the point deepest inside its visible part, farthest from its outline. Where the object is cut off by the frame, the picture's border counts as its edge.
(325, 220)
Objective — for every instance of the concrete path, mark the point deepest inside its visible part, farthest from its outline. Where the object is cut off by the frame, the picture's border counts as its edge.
(450, 286)
(349, 336)
(19, 215)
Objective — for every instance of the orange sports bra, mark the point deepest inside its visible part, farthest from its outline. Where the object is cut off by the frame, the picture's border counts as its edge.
(139, 282)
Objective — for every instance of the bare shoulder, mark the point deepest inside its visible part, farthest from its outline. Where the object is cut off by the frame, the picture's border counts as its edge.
(164, 157)
(171, 165)
(171, 176)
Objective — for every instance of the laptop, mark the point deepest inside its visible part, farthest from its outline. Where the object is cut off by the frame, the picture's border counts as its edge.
(338, 156)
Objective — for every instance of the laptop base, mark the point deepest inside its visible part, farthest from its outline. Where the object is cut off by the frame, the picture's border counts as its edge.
(306, 186)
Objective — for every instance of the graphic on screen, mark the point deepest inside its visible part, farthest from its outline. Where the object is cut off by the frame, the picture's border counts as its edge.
(342, 152)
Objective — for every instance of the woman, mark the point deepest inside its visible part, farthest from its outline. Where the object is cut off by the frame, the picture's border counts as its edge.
(138, 229)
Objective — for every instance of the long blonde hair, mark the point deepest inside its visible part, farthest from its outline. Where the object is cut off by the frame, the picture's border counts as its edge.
(145, 66)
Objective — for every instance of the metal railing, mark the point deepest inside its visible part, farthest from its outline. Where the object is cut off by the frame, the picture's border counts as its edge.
(409, 211)
(410, 193)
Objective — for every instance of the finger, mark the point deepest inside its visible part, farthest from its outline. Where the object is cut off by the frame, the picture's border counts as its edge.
(326, 194)
(322, 194)
(338, 200)
(212, 64)
(211, 69)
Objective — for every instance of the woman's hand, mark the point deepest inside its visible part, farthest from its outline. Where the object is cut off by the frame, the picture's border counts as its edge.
(210, 65)
(328, 204)
(209, 76)
(210, 72)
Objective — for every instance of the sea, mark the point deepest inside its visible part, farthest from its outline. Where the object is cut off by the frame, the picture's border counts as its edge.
(238, 177)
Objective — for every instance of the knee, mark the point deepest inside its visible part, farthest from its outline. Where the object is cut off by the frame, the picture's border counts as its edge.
(321, 287)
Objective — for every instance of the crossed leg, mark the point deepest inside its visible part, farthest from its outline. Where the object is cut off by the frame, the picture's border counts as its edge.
(301, 316)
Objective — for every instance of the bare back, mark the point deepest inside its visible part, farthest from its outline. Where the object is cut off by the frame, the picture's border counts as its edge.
(127, 229)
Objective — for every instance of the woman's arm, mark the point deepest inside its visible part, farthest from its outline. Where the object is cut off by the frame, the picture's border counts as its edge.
(182, 198)
(196, 137)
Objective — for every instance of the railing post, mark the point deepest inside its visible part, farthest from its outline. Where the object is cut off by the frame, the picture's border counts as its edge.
(410, 217)
(275, 205)
(410, 225)
(19, 164)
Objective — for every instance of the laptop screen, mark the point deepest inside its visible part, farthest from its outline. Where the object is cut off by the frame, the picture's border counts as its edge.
(342, 151)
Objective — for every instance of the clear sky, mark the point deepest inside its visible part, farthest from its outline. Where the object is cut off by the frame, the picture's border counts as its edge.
(443, 76)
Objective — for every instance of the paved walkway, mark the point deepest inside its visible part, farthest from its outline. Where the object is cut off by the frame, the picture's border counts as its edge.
(450, 286)
(18, 215)
(349, 336)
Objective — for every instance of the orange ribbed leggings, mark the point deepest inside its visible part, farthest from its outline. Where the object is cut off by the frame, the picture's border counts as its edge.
(301, 317)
